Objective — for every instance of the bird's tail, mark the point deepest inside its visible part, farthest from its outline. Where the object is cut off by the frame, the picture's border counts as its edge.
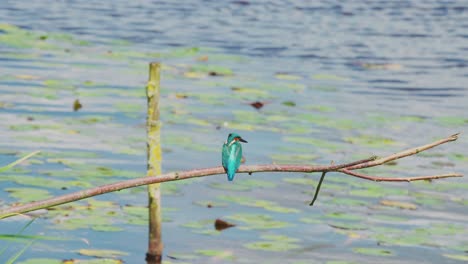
(230, 176)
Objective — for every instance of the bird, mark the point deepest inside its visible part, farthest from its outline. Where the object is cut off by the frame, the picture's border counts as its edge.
(232, 154)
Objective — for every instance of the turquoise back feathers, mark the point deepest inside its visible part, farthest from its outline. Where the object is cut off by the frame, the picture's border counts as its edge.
(232, 154)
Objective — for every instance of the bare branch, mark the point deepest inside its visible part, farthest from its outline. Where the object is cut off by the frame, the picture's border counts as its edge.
(403, 154)
(174, 176)
(399, 179)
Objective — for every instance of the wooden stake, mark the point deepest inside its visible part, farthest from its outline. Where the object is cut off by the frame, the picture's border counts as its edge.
(153, 128)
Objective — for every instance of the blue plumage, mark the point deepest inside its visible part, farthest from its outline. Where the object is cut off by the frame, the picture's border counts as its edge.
(232, 154)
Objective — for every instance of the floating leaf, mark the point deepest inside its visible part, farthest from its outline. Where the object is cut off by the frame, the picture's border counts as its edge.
(250, 91)
(289, 103)
(398, 204)
(456, 257)
(287, 76)
(380, 66)
(210, 204)
(77, 105)
(373, 251)
(347, 226)
(294, 158)
(300, 181)
(41, 261)
(311, 141)
(452, 120)
(212, 70)
(274, 243)
(181, 256)
(257, 104)
(25, 195)
(45, 182)
(267, 205)
(327, 77)
(459, 157)
(370, 141)
(344, 216)
(221, 224)
(219, 254)
(102, 253)
(257, 221)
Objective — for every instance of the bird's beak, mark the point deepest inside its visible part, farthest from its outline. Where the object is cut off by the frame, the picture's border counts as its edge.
(243, 140)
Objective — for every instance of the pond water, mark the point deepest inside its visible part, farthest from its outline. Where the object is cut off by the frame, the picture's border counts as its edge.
(338, 80)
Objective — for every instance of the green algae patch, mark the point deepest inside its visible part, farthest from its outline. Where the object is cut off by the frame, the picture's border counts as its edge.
(244, 185)
(276, 243)
(102, 253)
(301, 181)
(344, 216)
(370, 141)
(287, 76)
(294, 158)
(97, 215)
(317, 143)
(45, 182)
(257, 221)
(210, 204)
(217, 254)
(16, 37)
(212, 70)
(373, 251)
(249, 92)
(456, 257)
(26, 195)
(328, 77)
(452, 121)
(41, 261)
(267, 205)
(33, 127)
(342, 225)
(229, 186)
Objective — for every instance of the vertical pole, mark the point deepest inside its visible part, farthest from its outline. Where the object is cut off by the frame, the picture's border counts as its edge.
(153, 127)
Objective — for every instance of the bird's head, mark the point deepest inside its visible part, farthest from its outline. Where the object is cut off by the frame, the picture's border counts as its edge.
(233, 137)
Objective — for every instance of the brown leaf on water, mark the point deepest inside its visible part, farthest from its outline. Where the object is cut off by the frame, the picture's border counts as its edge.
(221, 224)
(181, 96)
(77, 105)
(257, 104)
(398, 204)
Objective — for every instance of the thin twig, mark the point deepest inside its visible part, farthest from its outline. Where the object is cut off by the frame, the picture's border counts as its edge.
(399, 179)
(318, 188)
(403, 154)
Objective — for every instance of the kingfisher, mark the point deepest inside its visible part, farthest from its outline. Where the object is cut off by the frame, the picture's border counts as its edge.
(232, 154)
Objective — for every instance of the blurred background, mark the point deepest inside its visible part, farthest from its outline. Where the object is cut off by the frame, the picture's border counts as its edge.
(305, 82)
